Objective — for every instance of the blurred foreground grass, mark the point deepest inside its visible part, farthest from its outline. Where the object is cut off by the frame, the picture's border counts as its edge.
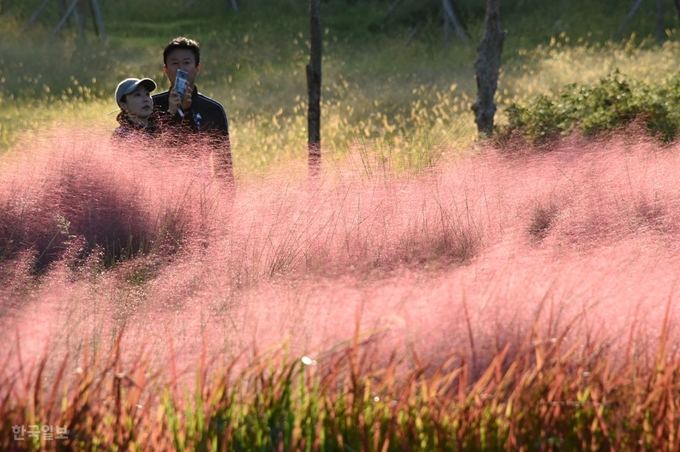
(409, 103)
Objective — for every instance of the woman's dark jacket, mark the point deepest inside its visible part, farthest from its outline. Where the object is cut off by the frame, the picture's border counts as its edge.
(129, 128)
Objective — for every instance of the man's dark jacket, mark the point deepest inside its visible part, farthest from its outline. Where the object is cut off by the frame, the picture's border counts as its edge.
(205, 118)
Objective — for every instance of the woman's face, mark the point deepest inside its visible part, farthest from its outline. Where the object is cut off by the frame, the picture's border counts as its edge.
(138, 103)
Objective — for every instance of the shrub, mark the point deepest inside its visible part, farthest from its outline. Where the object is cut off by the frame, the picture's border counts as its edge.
(612, 103)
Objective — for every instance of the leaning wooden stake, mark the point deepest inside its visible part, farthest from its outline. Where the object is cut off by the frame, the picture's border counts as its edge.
(487, 68)
(35, 14)
(629, 17)
(98, 20)
(63, 20)
(450, 18)
(314, 89)
(392, 7)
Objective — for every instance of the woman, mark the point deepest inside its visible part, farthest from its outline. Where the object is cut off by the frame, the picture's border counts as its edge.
(137, 117)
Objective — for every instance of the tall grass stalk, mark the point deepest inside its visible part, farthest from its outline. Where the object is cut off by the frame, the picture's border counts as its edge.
(544, 395)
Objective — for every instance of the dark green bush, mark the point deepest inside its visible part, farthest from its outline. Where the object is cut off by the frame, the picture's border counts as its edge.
(612, 103)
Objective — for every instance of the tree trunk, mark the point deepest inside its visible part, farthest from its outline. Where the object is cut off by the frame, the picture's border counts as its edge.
(314, 88)
(487, 68)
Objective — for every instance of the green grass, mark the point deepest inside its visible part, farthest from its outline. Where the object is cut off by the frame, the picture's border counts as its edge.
(377, 93)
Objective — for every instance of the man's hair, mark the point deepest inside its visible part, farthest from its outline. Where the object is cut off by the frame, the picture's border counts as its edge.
(182, 43)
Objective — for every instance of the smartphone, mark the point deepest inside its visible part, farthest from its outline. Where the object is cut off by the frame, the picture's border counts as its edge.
(181, 82)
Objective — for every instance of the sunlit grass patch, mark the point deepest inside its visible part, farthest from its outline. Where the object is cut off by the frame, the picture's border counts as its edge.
(548, 68)
(403, 100)
(25, 119)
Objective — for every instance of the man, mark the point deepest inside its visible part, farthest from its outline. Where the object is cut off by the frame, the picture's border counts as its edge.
(195, 117)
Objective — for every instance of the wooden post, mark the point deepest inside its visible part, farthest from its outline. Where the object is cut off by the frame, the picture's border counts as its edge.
(98, 20)
(79, 22)
(487, 68)
(447, 25)
(314, 89)
(660, 28)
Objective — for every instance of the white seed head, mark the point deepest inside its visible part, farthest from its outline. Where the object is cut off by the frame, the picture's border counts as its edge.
(307, 361)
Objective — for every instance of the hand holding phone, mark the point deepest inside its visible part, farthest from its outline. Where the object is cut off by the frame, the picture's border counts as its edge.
(181, 82)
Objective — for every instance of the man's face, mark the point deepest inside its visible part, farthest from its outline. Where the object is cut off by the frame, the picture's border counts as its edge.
(138, 103)
(181, 59)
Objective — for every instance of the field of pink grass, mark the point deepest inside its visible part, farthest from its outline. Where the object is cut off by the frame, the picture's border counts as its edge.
(468, 256)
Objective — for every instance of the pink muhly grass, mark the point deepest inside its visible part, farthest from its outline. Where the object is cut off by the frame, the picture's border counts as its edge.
(121, 198)
(471, 257)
